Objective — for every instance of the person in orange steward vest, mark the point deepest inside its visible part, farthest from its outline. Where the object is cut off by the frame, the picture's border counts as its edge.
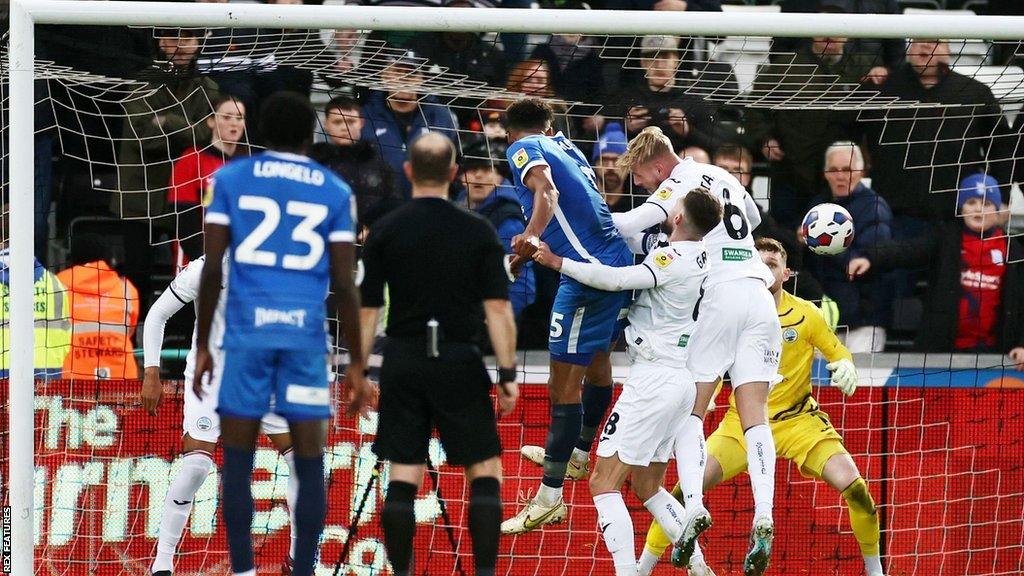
(104, 312)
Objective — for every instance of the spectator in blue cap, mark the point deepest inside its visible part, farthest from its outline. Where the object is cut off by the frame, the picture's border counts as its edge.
(976, 297)
(610, 182)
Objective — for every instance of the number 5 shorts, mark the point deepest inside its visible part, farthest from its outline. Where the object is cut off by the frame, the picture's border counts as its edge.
(647, 416)
(585, 320)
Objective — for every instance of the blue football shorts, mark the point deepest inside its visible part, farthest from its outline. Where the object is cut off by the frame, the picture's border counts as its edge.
(296, 380)
(585, 320)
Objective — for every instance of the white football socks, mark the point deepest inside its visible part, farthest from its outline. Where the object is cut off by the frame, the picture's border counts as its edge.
(291, 496)
(548, 496)
(668, 512)
(195, 467)
(617, 529)
(647, 563)
(691, 458)
(761, 467)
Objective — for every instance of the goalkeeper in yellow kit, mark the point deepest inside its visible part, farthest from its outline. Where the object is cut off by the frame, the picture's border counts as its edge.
(802, 431)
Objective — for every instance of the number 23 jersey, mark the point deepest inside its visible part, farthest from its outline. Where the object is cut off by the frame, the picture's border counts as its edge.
(283, 211)
(730, 245)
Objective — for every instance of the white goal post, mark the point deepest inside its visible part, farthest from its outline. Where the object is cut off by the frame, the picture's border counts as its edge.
(26, 14)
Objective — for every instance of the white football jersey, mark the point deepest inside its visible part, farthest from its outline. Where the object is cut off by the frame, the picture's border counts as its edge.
(185, 288)
(730, 245)
(661, 319)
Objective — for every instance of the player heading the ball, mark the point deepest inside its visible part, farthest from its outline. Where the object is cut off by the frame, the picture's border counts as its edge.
(290, 226)
(557, 188)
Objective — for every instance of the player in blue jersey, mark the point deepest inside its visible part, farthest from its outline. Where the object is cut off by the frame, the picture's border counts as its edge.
(566, 211)
(290, 226)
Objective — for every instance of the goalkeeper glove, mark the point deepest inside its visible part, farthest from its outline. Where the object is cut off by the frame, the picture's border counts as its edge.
(844, 375)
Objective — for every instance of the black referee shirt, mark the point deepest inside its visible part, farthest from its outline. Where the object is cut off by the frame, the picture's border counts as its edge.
(438, 261)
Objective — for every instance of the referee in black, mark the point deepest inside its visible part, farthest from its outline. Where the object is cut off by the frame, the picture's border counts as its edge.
(444, 271)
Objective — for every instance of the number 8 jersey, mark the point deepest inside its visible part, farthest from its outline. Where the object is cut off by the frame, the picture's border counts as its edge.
(283, 210)
(730, 245)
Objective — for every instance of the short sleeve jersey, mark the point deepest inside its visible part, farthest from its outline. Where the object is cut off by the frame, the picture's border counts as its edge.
(431, 272)
(730, 245)
(582, 227)
(283, 211)
(662, 316)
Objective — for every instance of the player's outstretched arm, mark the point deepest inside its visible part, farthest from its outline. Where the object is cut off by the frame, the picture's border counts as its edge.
(342, 256)
(217, 237)
(840, 361)
(501, 327)
(632, 223)
(160, 312)
(609, 278)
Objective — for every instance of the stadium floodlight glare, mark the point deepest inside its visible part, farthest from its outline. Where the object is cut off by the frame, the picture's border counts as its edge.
(21, 68)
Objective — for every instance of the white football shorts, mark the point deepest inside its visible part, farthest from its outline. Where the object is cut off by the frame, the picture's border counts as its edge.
(201, 421)
(737, 332)
(648, 415)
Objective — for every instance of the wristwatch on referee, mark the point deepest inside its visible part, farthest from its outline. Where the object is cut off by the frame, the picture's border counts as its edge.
(507, 375)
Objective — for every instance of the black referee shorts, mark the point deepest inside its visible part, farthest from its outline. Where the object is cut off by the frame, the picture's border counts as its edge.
(450, 393)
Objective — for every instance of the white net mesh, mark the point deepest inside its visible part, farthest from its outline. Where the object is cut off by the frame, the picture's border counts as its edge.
(126, 148)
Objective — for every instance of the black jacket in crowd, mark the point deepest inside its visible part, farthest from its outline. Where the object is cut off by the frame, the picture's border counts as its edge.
(940, 252)
(366, 173)
(888, 52)
(919, 155)
(804, 134)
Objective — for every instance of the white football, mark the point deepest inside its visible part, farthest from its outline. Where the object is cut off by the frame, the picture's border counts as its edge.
(828, 229)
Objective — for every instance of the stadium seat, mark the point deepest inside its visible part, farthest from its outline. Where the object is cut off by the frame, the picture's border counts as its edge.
(744, 53)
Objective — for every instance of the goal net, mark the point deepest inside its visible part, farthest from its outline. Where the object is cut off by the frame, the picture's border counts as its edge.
(132, 121)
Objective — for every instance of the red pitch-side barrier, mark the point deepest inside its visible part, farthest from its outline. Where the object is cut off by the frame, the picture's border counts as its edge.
(945, 465)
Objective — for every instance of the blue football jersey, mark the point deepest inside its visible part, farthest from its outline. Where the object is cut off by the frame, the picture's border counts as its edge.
(582, 227)
(283, 211)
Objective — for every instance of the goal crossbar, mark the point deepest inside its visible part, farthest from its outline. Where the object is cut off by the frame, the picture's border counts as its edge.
(528, 20)
(25, 14)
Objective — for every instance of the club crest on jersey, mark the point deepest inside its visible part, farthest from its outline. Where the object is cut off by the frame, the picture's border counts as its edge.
(208, 192)
(789, 335)
(520, 158)
(663, 194)
(664, 259)
(204, 423)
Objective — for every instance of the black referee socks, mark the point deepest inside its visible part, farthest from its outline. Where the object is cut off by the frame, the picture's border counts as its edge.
(485, 523)
(399, 522)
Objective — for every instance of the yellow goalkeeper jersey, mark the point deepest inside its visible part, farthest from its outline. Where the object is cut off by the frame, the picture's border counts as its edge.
(803, 330)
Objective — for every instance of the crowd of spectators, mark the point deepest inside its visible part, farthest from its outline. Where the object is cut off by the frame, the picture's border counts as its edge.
(928, 186)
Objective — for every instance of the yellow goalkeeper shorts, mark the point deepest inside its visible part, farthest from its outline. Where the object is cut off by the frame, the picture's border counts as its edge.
(808, 439)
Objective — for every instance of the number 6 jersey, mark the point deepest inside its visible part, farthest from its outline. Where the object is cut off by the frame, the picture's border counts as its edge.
(730, 245)
(283, 210)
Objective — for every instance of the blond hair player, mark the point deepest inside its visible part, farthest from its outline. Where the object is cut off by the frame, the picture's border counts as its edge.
(737, 330)
(802, 431)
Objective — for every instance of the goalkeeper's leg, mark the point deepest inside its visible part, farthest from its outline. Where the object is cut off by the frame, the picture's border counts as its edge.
(196, 463)
(657, 541)
(841, 473)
